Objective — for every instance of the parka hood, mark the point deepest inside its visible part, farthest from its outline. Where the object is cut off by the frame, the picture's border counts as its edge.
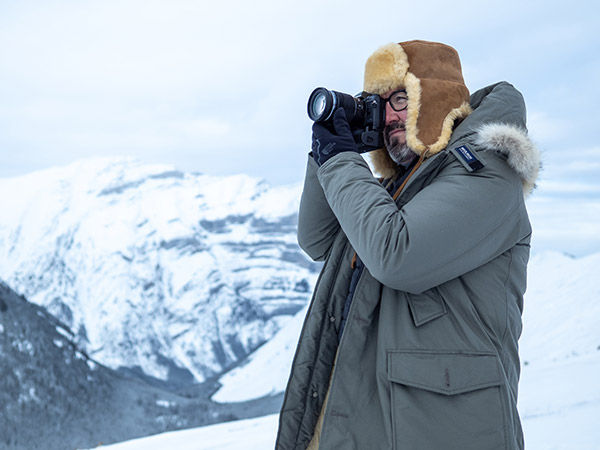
(497, 122)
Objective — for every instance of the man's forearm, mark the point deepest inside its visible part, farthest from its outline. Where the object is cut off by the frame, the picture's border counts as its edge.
(317, 224)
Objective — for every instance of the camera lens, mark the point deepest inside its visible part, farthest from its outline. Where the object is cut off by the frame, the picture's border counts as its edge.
(318, 106)
(321, 104)
(364, 112)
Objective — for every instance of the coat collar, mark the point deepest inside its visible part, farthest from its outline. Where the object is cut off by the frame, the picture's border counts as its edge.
(497, 123)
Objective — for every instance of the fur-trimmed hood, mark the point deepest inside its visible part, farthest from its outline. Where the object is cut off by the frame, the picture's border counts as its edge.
(521, 153)
(497, 122)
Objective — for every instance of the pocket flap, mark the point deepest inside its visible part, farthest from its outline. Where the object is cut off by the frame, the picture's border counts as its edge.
(425, 307)
(446, 373)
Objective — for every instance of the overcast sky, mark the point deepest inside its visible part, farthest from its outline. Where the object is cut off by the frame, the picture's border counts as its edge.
(221, 87)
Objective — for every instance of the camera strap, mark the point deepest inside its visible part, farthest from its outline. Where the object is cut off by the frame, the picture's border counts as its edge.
(414, 169)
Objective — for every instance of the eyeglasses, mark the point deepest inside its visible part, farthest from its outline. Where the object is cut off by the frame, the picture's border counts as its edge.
(398, 100)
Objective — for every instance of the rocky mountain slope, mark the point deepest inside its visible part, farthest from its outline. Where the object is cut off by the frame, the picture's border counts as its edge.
(54, 396)
(172, 275)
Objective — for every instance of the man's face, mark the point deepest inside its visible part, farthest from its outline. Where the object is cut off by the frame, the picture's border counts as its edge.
(394, 133)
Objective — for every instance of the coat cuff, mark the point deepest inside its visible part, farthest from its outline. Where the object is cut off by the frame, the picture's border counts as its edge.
(338, 161)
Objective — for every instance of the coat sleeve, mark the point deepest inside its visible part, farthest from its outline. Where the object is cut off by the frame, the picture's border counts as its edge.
(317, 225)
(455, 224)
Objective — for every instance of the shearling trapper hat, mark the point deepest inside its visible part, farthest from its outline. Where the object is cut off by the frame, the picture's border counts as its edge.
(437, 96)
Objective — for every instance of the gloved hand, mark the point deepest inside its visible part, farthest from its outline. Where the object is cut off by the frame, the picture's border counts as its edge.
(327, 143)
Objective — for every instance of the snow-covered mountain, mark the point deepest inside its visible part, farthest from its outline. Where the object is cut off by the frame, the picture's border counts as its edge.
(178, 274)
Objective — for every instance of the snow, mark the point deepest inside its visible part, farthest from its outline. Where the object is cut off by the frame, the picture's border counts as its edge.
(553, 388)
(575, 428)
(249, 434)
(147, 264)
(561, 308)
(23, 346)
(29, 395)
(62, 331)
(559, 406)
(268, 367)
(164, 403)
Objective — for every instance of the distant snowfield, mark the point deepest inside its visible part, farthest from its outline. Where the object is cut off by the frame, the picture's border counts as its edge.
(559, 397)
(559, 404)
(249, 434)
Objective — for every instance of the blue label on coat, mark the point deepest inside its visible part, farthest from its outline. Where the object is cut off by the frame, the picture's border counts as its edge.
(467, 158)
(466, 153)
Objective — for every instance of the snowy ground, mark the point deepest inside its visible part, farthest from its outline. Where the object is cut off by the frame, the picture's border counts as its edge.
(250, 434)
(560, 404)
(560, 410)
(559, 399)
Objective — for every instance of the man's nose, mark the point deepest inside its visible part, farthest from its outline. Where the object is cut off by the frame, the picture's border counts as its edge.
(391, 115)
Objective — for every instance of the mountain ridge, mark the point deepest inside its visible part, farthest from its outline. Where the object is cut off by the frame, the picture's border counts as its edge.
(178, 275)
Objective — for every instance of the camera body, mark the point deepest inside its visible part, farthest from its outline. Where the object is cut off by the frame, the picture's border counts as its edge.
(365, 113)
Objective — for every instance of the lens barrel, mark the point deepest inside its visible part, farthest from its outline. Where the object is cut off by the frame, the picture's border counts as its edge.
(321, 104)
(365, 114)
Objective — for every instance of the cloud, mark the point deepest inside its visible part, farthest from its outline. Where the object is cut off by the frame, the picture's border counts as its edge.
(545, 128)
(184, 82)
(568, 224)
(568, 187)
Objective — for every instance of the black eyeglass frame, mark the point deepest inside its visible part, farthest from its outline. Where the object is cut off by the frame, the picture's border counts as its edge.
(387, 100)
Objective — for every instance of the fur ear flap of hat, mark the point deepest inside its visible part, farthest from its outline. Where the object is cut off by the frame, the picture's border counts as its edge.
(437, 96)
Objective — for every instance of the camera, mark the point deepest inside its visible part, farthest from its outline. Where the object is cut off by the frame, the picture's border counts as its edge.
(365, 113)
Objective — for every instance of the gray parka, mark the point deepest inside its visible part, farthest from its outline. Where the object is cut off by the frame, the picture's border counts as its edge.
(428, 358)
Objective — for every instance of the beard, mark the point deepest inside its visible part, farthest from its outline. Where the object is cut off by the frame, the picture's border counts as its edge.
(396, 147)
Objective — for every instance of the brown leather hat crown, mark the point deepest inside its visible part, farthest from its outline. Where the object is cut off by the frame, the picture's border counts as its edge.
(437, 96)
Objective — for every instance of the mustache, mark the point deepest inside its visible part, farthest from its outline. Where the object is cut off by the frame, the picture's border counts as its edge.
(393, 126)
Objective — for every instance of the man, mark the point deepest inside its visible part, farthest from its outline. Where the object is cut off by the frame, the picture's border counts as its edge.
(410, 341)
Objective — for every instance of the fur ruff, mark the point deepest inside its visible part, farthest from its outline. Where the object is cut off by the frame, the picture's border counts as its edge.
(522, 155)
(512, 141)
(383, 165)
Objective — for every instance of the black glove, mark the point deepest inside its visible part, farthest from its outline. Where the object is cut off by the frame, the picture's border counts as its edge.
(327, 143)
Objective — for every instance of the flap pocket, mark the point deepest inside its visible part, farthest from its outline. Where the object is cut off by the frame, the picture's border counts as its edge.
(446, 373)
(426, 306)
